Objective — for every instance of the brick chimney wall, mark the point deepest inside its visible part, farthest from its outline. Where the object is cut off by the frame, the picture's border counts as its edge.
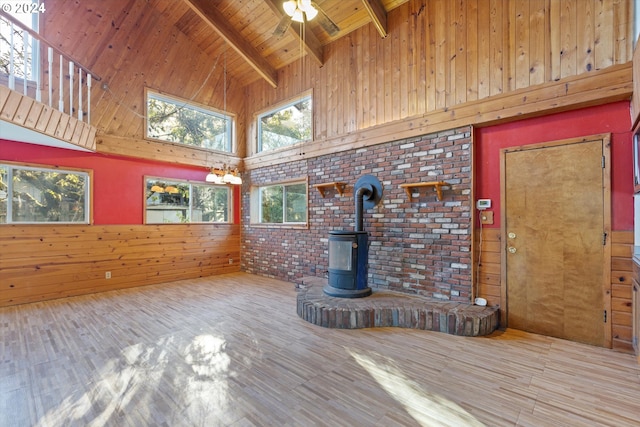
(418, 246)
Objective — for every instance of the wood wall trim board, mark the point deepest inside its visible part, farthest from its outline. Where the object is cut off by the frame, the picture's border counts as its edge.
(635, 100)
(595, 88)
(164, 152)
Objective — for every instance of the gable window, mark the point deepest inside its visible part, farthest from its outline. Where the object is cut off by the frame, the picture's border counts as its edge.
(280, 204)
(171, 119)
(287, 125)
(32, 195)
(175, 201)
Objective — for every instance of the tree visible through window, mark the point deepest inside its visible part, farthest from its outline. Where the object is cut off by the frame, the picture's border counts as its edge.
(43, 195)
(286, 126)
(283, 204)
(25, 46)
(185, 123)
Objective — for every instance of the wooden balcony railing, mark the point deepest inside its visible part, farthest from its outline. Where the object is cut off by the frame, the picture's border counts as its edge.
(31, 65)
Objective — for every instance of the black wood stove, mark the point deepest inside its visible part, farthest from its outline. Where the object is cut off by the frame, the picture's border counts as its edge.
(348, 250)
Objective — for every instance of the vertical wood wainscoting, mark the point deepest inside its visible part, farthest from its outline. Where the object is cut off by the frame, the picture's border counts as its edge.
(488, 280)
(45, 262)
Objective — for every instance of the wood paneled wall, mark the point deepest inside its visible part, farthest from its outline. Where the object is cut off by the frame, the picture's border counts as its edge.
(488, 280)
(488, 252)
(621, 289)
(441, 54)
(136, 44)
(47, 261)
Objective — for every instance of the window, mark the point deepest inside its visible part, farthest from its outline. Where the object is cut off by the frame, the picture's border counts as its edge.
(174, 201)
(287, 125)
(172, 120)
(280, 204)
(40, 195)
(25, 47)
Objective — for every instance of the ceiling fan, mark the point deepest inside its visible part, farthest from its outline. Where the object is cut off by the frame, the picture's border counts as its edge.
(299, 10)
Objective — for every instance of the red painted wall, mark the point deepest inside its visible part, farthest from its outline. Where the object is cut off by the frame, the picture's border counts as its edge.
(118, 182)
(611, 118)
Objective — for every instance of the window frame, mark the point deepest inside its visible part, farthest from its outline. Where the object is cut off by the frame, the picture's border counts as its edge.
(88, 192)
(191, 183)
(184, 103)
(307, 95)
(34, 50)
(256, 205)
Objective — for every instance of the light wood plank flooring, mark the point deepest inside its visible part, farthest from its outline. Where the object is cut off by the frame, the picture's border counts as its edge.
(230, 351)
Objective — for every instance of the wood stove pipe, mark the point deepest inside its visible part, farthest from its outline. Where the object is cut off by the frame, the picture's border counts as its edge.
(361, 193)
(368, 193)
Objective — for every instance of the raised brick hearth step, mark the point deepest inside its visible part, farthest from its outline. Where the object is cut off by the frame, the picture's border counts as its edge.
(386, 308)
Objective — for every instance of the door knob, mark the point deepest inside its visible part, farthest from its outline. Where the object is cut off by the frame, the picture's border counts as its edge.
(512, 250)
(512, 235)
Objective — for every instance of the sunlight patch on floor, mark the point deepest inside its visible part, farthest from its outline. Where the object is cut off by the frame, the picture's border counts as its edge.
(145, 374)
(426, 408)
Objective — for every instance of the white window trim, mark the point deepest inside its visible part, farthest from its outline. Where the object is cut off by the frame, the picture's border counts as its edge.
(88, 193)
(275, 108)
(191, 183)
(256, 205)
(194, 106)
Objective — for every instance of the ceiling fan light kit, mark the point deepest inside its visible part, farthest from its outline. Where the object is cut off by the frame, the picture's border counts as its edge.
(299, 9)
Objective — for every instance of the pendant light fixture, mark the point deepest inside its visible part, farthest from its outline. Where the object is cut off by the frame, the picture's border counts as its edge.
(226, 175)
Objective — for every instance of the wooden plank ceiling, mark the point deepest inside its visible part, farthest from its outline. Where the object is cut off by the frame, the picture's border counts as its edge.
(245, 30)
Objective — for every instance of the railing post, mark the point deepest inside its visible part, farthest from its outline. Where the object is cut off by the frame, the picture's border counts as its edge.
(50, 59)
(80, 94)
(60, 91)
(88, 98)
(12, 77)
(25, 54)
(70, 88)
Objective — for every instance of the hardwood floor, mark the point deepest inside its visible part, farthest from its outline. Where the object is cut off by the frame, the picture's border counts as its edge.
(230, 351)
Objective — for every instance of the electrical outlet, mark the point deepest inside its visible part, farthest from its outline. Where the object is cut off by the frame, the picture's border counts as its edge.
(230, 260)
(107, 275)
(455, 293)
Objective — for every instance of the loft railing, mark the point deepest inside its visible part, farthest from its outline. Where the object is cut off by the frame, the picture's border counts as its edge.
(26, 58)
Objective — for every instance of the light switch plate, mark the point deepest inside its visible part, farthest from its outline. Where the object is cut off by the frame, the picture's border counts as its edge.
(486, 217)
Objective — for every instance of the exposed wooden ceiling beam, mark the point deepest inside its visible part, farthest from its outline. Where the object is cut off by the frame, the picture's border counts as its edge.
(213, 18)
(378, 15)
(311, 43)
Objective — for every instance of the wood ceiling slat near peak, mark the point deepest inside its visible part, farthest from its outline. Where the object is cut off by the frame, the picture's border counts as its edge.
(225, 30)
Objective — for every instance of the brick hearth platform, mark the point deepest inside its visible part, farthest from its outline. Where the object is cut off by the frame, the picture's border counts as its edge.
(387, 308)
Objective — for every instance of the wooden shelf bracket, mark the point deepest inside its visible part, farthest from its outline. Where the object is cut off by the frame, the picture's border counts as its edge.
(339, 186)
(437, 185)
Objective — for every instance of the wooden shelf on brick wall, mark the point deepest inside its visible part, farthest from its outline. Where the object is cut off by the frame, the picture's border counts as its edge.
(339, 186)
(437, 185)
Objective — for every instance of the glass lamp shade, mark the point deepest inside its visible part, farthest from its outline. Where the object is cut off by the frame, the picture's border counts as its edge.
(214, 177)
(236, 180)
(290, 7)
(297, 16)
(227, 178)
(311, 13)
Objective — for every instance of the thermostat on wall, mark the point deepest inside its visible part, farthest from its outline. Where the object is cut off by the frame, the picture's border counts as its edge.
(483, 204)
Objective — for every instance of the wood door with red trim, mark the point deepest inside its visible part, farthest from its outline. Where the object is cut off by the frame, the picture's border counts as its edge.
(555, 227)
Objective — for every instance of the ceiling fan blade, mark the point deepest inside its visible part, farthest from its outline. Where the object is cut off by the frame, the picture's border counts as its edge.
(283, 26)
(325, 22)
